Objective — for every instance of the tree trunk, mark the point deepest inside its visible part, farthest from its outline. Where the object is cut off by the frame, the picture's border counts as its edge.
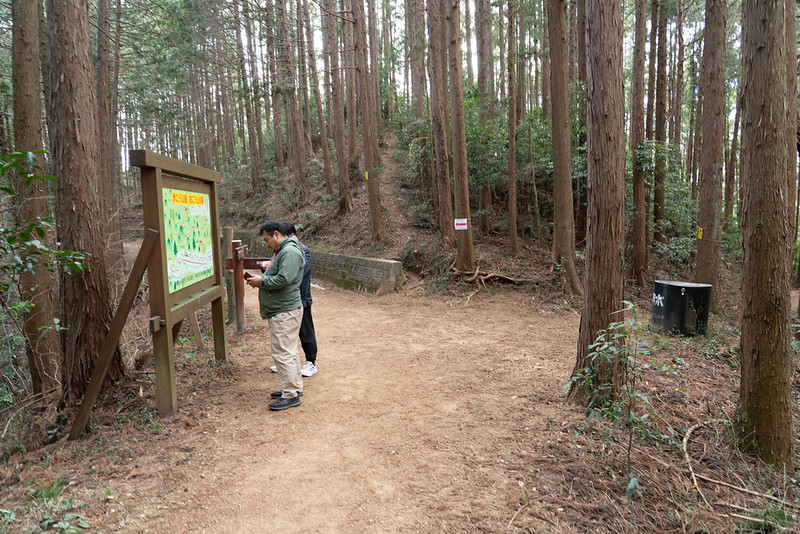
(466, 251)
(512, 128)
(765, 402)
(290, 94)
(661, 128)
(80, 209)
(42, 343)
(304, 100)
(374, 69)
(483, 23)
(651, 69)
(369, 134)
(337, 97)
(417, 43)
(712, 160)
(606, 177)
(348, 63)
(730, 168)
(678, 93)
(108, 148)
(791, 116)
(468, 39)
(323, 128)
(639, 234)
(564, 222)
(252, 138)
(437, 32)
(257, 91)
(546, 58)
(277, 106)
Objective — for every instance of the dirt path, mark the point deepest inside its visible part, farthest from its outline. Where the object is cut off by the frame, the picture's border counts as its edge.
(421, 413)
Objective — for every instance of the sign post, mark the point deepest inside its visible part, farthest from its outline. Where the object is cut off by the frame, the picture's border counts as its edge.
(185, 268)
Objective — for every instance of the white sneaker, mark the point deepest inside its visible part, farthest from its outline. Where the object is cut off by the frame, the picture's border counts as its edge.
(308, 369)
(274, 369)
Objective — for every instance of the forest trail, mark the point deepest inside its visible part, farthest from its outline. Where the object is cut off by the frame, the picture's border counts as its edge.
(419, 409)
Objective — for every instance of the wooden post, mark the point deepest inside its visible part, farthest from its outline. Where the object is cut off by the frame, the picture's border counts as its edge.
(227, 252)
(112, 338)
(198, 335)
(238, 284)
(163, 341)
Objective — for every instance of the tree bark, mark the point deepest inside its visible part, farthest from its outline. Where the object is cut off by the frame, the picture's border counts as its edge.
(80, 210)
(546, 58)
(651, 69)
(437, 33)
(252, 137)
(730, 169)
(512, 128)
(564, 222)
(712, 160)
(639, 234)
(337, 97)
(417, 59)
(606, 178)
(486, 93)
(468, 39)
(765, 402)
(660, 128)
(42, 343)
(466, 251)
(290, 94)
(277, 106)
(369, 133)
(323, 127)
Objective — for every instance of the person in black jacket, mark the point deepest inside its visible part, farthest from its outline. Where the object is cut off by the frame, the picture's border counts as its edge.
(308, 336)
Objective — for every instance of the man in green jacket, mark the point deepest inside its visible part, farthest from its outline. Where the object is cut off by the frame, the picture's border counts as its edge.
(279, 297)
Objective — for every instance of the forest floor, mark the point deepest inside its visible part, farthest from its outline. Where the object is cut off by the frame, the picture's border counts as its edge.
(433, 411)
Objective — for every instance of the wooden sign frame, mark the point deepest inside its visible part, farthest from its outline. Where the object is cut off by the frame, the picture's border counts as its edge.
(168, 310)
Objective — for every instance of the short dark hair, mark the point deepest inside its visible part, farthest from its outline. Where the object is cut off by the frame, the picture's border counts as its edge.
(289, 229)
(270, 227)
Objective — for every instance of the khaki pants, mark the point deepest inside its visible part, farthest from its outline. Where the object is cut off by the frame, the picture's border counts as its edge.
(283, 330)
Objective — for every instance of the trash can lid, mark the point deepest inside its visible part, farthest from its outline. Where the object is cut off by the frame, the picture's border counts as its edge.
(682, 284)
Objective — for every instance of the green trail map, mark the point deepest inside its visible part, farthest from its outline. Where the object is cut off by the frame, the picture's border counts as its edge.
(187, 225)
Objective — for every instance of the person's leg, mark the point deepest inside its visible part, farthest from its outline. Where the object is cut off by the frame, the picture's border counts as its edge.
(308, 337)
(283, 332)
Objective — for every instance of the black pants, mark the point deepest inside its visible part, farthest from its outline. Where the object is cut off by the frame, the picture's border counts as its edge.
(308, 338)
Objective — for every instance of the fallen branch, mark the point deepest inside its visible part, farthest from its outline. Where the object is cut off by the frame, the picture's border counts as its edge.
(749, 492)
(689, 463)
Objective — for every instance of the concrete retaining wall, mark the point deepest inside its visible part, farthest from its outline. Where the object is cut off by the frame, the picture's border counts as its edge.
(361, 274)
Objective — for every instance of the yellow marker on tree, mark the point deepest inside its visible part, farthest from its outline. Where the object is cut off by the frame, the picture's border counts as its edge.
(366, 175)
(699, 233)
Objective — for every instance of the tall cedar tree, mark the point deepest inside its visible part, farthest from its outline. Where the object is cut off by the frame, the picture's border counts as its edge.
(337, 104)
(321, 116)
(252, 137)
(483, 27)
(437, 32)
(605, 149)
(369, 127)
(765, 402)
(42, 344)
(466, 251)
(712, 159)
(661, 126)
(289, 92)
(80, 209)
(639, 234)
(512, 129)
(564, 222)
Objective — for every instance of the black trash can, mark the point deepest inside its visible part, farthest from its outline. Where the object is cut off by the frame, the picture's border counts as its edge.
(680, 307)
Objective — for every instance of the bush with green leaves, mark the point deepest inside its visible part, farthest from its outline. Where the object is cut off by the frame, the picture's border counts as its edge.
(622, 402)
(23, 249)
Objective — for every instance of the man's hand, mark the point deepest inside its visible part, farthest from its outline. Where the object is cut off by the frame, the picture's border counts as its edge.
(254, 281)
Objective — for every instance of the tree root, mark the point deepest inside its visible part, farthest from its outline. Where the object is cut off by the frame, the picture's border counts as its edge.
(482, 277)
